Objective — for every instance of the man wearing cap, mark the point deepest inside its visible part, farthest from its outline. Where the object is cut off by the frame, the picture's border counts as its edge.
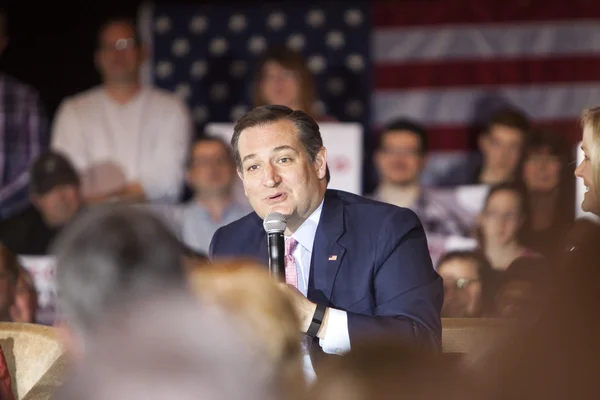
(54, 191)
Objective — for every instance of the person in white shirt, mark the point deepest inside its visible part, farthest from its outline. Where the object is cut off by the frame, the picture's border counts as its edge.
(128, 142)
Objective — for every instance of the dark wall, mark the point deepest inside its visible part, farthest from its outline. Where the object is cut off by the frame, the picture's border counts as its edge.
(51, 48)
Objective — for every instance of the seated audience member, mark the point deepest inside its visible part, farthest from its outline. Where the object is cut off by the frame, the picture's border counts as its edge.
(25, 306)
(554, 356)
(521, 289)
(282, 78)
(168, 345)
(127, 141)
(400, 158)
(501, 224)
(107, 255)
(464, 274)
(55, 194)
(246, 292)
(388, 370)
(9, 273)
(211, 175)
(551, 191)
(501, 147)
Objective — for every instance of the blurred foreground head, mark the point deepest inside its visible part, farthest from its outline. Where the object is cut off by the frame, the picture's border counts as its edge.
(168, 346)
(556, 356)
(245, 292)
(107, 256)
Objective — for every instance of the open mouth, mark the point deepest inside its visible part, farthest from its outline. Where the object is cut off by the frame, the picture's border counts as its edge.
(276, 197)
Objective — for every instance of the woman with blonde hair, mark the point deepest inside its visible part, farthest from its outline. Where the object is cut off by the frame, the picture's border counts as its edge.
(589, 168)
(245, 291)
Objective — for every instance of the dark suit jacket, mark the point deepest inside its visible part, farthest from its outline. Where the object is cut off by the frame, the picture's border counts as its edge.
(382, 276)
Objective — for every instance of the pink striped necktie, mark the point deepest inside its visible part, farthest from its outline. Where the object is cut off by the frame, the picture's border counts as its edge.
(291, 273)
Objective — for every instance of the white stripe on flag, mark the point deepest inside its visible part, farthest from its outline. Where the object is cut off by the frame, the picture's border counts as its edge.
(486, 41)
(456, 106)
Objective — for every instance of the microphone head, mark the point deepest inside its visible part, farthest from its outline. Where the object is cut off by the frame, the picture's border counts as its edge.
(274, 222)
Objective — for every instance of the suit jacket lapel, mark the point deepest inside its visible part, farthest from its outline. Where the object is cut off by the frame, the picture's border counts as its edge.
(258, 246)
(328, 253)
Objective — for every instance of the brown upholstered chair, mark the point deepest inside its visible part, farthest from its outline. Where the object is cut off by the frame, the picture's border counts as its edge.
(35, 359)
(462, 335)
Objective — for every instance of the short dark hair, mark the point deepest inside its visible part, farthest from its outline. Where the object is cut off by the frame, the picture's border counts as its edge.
(10, 262)
(542, 139)
(208, 139)
(411, 126)
(483, 265)
(512, 118)
(306, 127)
(120, 20)
(108, 254)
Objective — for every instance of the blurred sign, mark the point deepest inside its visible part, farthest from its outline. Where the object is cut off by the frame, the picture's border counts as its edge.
(42, 270)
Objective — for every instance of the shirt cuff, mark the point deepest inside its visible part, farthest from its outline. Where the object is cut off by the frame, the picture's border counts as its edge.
(337, 338)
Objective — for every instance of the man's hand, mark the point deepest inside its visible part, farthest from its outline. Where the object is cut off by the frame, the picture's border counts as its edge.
(305, 309)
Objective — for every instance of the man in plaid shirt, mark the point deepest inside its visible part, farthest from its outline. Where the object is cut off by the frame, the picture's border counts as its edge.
(23, 136)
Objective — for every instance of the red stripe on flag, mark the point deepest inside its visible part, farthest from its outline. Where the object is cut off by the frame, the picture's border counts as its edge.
(491, 72)
(460, 137)
(394, 13)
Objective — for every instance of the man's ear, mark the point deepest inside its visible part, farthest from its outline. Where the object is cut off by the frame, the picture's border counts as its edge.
(321, 163)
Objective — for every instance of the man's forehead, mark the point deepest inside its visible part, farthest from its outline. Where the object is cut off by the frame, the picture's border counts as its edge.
(272, 133)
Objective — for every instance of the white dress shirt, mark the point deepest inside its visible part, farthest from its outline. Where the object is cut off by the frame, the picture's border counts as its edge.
(337, 338)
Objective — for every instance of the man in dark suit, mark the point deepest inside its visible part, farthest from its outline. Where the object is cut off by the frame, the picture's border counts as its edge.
(359, 267)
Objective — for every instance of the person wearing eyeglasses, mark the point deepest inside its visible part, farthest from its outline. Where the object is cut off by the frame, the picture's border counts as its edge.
(464, 274)
(129, 142)
(400, 158)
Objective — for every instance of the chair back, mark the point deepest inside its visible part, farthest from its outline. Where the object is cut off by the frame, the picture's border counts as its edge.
(32, 352)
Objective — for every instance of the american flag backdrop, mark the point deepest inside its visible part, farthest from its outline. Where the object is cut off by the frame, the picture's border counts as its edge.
(207, 54)
(445, 63)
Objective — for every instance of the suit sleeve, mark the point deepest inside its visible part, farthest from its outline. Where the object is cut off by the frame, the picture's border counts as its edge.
(408, 292)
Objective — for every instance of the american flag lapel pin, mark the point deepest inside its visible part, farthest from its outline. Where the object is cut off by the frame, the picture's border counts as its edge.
(332, 258)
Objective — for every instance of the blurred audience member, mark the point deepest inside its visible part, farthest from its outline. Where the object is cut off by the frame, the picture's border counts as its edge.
(388, 370)
(105, 257)
(128, 142)
(23, 134)
(400, 158)
(282, 78)
(246, 292)
(56, 197)
(464, 274)
(501, 224)
(550, 190)
(556, 356)
(211, 175)
(9, 273)
(589, 168)
(170, 346)
(522, 289)
(25, 306)
(501, 147)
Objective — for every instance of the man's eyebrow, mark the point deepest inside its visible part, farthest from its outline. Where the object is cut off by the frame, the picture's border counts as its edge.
(285, 147)
(248, 157)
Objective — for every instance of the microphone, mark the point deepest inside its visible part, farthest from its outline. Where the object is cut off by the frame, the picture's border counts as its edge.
(274, 224)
